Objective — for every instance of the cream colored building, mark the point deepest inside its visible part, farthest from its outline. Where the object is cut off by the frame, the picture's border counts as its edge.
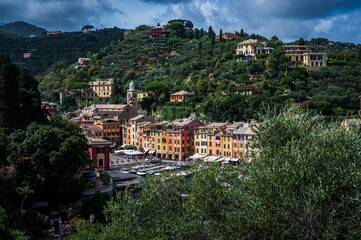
(142, 95)
(98, 88)
(251, 48)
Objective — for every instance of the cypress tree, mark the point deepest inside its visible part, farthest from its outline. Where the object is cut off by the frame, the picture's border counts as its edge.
(9, 94)
(30, 100)
(196, 35)
(201, 33)
(220, 35)
(210, 32)
(115, 88)
(242, 34)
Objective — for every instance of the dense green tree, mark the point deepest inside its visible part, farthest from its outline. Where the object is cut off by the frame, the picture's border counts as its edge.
(9, 93)
(200, 48)
(47, 157)
(3, 146)
(6, 231)
(87, 28)
(220, 35)
(158, 88)
(68, 103)
(77, 85)
(301, 41)
(178, 28)
(201, 34)
(196, 33)
(147, 103)
(188, 25)
(30, 101)
(241, 33)
(115, 88)
(142, 28)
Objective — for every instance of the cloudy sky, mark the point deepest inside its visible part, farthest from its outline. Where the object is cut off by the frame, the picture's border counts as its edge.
(337, 20)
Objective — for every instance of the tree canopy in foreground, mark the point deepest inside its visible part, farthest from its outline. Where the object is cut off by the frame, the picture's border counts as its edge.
(303, 184)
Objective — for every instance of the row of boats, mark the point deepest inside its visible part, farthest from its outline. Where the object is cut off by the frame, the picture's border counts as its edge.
(149, 169)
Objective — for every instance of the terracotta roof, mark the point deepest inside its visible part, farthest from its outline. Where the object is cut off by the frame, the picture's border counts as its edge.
(251, 41)
(95, 129)
(137, 118)
(217, 124)
(245, 129)
(181, 122)
(97, 141)
(182, 93)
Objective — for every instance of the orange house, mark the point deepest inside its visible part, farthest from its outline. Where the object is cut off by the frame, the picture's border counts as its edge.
(53, 32)
(180, 96)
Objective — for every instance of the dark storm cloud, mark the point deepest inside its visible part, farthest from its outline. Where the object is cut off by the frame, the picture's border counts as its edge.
(302, 9)
(167, 1)
(288, 19)
(57, 14)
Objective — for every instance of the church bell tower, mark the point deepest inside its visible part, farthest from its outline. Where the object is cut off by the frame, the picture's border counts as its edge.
(132, 96)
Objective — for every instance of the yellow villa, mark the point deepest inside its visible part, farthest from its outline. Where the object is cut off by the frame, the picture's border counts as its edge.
(301, 56)
(98, 88)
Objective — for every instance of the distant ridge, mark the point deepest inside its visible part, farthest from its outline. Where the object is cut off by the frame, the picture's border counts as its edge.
(22, 28)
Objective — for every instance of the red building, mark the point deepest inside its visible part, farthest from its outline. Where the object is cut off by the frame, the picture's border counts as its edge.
(156, 32)
(53, 32)
(87, 120)
(50, 108)
(99, 152)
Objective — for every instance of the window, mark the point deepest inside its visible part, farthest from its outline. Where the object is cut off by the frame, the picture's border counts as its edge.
(158, 147)
(210, 152)
(210, 144)
(100, 162)
(197, 150)
(101, 150)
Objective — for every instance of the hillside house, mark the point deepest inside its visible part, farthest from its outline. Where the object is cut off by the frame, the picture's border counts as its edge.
(301, 56)
(180, 96)
(251, 49)
(157, 31)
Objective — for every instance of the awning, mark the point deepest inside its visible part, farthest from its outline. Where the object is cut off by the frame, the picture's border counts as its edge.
(210, 158)
(197, 156)
(234, 160)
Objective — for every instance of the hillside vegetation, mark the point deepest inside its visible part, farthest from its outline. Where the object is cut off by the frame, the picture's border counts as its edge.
(209, 68)
(22, 28)
(48, 50)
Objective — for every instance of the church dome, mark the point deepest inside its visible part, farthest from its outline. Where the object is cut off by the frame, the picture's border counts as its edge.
(131, 85)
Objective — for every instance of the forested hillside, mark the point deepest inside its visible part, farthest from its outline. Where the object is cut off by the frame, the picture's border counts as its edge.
(22, 29)
(48, 50)
(200, 63)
